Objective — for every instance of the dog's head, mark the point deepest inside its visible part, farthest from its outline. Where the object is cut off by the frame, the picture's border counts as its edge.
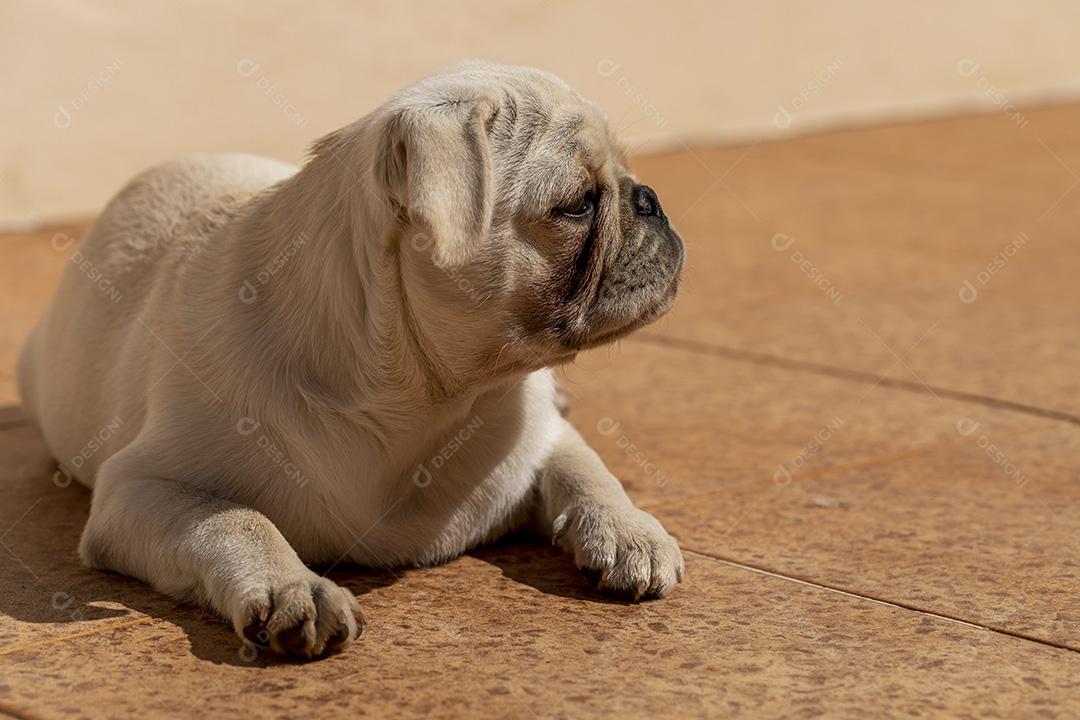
(520, 236)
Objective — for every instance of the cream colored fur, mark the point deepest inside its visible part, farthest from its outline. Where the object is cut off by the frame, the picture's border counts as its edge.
(314, 367)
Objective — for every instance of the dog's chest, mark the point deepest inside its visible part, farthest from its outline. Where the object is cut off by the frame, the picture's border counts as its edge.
(467, 485)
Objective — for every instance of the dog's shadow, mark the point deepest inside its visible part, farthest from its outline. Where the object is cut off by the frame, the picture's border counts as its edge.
(44, 585)
(530, 561)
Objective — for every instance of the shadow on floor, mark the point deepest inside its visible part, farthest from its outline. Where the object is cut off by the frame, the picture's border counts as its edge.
(532, 561)
(43, 582)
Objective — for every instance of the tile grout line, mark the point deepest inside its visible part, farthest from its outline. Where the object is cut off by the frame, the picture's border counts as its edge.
(887, 603)
(858, 376)
(36, 644)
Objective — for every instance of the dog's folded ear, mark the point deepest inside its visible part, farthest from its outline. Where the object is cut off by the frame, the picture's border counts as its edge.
(435, 165)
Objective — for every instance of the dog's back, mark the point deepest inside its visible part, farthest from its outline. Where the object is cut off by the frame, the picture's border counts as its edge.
(92, 335)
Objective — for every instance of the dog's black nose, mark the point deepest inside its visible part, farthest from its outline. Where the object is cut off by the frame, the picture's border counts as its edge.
(646, 203)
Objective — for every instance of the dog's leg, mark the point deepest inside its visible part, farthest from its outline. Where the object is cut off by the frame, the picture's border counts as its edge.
(189, 544)
(626, 551)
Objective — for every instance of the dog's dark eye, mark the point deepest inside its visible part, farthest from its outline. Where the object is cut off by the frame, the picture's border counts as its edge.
(580, 209)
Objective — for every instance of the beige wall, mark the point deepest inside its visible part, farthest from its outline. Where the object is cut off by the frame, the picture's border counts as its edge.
(95, 91)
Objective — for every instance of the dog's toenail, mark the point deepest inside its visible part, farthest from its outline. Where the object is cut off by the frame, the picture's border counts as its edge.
(339, 638)
(256, 633)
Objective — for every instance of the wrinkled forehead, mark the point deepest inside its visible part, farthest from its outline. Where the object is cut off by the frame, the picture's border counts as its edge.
(548, 143)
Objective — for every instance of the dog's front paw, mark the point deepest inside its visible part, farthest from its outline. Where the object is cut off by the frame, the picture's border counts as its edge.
(622, 550)
(305, 616)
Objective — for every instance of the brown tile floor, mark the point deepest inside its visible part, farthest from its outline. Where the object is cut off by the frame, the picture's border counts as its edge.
(925, 558)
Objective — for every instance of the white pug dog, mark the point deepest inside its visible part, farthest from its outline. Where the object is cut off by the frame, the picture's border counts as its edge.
(256, 367)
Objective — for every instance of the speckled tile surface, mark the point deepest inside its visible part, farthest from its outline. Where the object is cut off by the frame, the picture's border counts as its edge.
(948, 505)
(509, 631)
(853, 248)
(673, 422)
(984, 529)
(849, 539)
